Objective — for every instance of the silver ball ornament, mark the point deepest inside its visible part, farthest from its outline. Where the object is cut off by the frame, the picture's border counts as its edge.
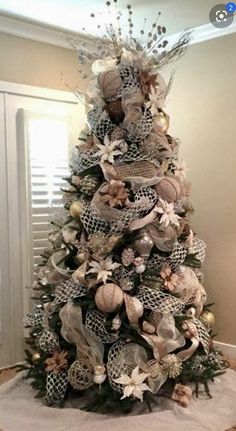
(143, 243)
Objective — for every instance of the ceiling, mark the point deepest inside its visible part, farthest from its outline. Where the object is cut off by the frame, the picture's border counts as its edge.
(72, 15)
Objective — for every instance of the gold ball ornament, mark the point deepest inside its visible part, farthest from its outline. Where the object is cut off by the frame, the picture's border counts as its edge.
(208, 319)
(36, 358)
(168, 189)
(109, 297)
(161, 122)
(110, 82)
(75, 209)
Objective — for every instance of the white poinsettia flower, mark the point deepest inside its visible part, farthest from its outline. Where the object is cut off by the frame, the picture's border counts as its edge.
(154, 101)
(109, 150)
(167, 212)
(134, 384)
(103, 268)
(181, 169)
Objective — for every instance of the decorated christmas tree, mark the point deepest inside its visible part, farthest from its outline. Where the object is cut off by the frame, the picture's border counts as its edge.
(122, 314)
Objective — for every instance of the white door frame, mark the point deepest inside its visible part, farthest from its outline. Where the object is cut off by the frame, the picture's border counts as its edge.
(13, 249)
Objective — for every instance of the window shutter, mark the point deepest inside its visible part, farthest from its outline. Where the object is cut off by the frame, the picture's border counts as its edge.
(48, 147)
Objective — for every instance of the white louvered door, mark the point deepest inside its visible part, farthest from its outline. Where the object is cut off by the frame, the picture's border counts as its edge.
(39, 126)
(47, 166)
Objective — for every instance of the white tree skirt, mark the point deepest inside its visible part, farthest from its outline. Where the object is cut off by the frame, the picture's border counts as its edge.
(20, 411)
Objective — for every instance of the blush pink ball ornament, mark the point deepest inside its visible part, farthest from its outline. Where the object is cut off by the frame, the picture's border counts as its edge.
(109, 297)
(168, 189)
(110, 82)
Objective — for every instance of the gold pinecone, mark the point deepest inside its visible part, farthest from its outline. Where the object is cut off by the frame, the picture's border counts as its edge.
(89, 185)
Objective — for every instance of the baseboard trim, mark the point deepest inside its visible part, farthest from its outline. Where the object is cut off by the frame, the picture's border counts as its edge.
(10, 367)
(229, 350)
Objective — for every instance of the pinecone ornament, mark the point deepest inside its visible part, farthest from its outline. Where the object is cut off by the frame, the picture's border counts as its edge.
(89, 185)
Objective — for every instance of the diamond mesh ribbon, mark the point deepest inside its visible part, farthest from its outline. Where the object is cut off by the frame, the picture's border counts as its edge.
(203, 335)
(82, 160)
(95, 322)
(139, 130)
(129, 77)
(108, 220)
(36, 318)
(199, 249)
(56, 387)
(99, 126)
(68, 290)
(156, 300)
(176, 258)
(48, 341)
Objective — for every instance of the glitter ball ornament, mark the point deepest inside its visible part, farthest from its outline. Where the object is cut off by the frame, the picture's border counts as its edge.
(127, 256)
(36, 358)
(110, 82)
(161, 122)
(89, 185)
(168, 189)
(75, 209)
(109, 297)
(208, 319)
(80, 375)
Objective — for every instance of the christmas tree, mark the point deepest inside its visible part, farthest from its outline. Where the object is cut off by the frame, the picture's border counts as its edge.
(122, 315)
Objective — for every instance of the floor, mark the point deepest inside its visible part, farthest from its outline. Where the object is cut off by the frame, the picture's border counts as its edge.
(7, 374)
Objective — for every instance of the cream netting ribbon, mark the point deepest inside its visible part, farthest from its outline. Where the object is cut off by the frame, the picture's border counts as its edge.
(75, 332)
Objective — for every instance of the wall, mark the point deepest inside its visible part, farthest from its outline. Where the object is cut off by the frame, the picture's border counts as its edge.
(202, 109)
(33, 63)
(203, 114)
